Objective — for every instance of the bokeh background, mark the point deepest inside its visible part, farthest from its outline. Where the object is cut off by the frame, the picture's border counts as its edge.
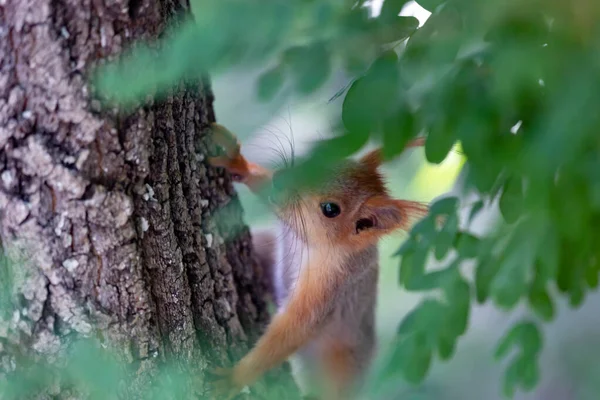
(570, 367)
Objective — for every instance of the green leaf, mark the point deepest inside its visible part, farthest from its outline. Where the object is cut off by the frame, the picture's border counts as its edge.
(576, 295)
(412, 356)
(426, 317)
(445, 238)
(477, 207)
(446, 346)
(467, 245)
(91, 367)
(408, 246)
(368, 99)
(412, 266)
(223, 34)
(541, 303)
(440, 140)
(444, 206)
(486, 271)
(482, 176)
(515, 262)
(591, 273)
(511, 200)
(356, 114)
(391, 9)
(410, 323)
(524, 335)
(419, 365)
(365, 103)
(433, 46)
(395, 29)
(425, 228)
(310, 66)
(398, 129)
(7, 282)
(529, 375)
(512, 377)
(430, 5)
(270, 83)
(458, 294)
(548, 255)
(431, 280)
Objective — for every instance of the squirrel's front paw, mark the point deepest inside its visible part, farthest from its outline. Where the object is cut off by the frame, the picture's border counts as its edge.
(224, 384)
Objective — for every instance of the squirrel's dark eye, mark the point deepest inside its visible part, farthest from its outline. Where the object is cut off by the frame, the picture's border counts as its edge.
(330, 210)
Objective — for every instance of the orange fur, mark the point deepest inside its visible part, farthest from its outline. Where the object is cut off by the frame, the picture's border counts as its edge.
(373, 159)
(290, 330)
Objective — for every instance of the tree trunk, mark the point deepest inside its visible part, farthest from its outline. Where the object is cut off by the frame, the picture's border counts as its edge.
(108, 219)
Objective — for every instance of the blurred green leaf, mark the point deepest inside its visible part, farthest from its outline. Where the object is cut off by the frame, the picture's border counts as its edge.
(430, 280)
(310, 66)
(486, 271)
(412, 266)
(391, 9)
(445, 238)
(477, 207)
(224, 32)
(523, 370)
(425, 317)
(430, 5)
(365, 103)
(511, 200)
(592, 272)
(548, 256)
(515, 262)
(412, 356)
(419, 365)
(439, 142)
(458, 294)
(93, 368)
(446, 346)
(541, 303)
(407, 247)
(524, 335)
(270, 83)
(467, 245)
(434, 44)
(6, 284)
(444, 206)
(394, 29)
(398, 129)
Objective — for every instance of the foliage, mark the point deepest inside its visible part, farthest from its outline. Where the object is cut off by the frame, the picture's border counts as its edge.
(513, 81)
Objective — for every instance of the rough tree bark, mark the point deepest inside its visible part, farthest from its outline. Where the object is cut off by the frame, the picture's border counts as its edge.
(109, 215)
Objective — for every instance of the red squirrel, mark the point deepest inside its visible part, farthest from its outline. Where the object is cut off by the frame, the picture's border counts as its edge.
(325, 271)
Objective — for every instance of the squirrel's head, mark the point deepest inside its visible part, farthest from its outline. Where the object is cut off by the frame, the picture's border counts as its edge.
(352, 208)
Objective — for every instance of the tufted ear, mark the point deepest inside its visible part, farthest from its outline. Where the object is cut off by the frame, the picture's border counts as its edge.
(383, 214)
(372, 160)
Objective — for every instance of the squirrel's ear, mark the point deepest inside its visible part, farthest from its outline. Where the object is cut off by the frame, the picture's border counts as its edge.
(386, 214)
(372, 159)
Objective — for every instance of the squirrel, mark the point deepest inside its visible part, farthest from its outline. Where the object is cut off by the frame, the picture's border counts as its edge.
(325, 267)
